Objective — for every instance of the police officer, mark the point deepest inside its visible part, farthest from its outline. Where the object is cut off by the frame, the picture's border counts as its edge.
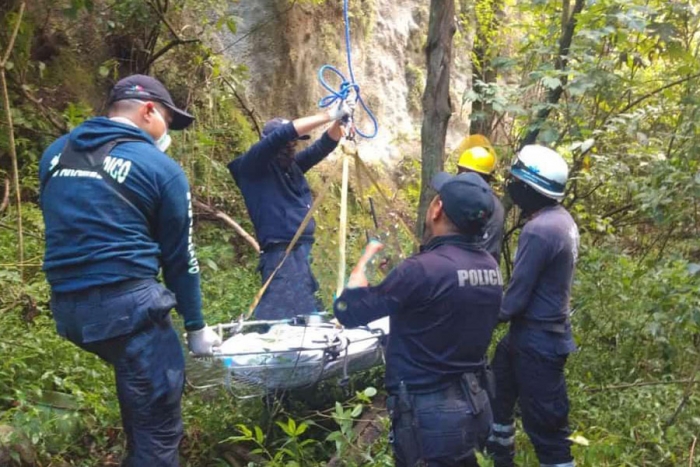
(442, 305)
(271, 178)
(116, 209)
(482, 161)
(529, 361)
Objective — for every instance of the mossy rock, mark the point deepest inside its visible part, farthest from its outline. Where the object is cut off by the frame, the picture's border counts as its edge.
(15, 447)
(54, 419)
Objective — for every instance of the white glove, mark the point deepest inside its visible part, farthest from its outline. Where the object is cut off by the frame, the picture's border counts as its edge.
(343, 109)
(203, 341)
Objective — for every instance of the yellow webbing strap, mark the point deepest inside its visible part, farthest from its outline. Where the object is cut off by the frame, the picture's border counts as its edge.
(290, 247)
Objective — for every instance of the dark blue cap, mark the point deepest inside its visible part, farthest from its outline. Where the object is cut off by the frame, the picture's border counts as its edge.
(146, 88)
(466, 199)
(274, 124)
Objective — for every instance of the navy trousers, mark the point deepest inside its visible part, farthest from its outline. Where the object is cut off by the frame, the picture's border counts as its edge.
(293, 290)
(530, 371)
(128, 326)
(439, 429)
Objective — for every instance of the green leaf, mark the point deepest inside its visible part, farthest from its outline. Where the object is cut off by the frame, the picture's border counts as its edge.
(339, 410)
(356, 411)
(231, 25)
(301, 429)
(245, 430)
(503, 63)
(103, 71)
(370, 391)
(551, 82)
(283, 426)
(212, 264)
(335, 436)
(549, 135)
(259, 436)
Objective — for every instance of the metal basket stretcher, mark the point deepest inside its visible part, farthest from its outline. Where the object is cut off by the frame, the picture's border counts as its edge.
(268, 356)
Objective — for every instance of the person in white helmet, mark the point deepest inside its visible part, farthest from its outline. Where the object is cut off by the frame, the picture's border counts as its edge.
(529, 361)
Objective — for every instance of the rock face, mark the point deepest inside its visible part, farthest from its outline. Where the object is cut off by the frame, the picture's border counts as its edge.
(284, 43)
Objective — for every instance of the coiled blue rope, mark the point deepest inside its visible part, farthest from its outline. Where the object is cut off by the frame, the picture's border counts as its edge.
(346, 87)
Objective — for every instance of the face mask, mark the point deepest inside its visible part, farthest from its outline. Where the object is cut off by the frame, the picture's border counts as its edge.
(527, 199)
(163, 143)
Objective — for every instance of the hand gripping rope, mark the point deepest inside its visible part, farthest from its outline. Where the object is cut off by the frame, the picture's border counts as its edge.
(346, 87)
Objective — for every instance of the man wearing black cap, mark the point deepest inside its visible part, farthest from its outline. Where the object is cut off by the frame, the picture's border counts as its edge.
(277, 195)
(116, 209)
(442, 305)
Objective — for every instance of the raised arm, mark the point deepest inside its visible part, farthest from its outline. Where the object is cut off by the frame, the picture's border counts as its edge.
(321, 148)
(361, 305)
(255, 160)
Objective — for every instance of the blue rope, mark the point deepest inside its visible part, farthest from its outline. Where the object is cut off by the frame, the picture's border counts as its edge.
(346, 87)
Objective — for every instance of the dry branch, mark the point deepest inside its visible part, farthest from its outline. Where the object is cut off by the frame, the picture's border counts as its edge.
(640, 384)
(11, 135)
(6, 196)
(692, 451)
(247, 108)
(228, 221)
(58, 124)
(166, 49)
(160, 12)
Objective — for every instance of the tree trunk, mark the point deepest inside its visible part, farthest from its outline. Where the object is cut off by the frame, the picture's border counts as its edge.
(437, 106)
(560, 64)
(487, 20)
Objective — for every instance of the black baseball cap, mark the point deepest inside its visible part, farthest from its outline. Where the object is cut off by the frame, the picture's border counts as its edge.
(466, 199)
(275, 123)
(146, 88)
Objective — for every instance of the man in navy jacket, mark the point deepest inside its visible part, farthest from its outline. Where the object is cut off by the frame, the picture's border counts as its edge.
(277, 195)
(117, 209)
(443, 306)
(529, 361)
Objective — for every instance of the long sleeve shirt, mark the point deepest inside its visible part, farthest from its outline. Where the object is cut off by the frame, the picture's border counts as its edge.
(278, 198)
(442, 305)
(94, 236)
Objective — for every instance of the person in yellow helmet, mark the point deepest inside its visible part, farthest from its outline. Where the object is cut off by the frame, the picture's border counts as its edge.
(482, 160)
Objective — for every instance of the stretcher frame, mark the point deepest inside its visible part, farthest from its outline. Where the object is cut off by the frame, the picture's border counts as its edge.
(291, 368)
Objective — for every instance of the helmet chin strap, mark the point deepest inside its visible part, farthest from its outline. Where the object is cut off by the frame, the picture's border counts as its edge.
(527, 199)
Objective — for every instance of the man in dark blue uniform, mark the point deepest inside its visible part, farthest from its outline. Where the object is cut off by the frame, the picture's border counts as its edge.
(529, 361)
(442, 305)
(482, 160)
(277, 195)
(116, 209)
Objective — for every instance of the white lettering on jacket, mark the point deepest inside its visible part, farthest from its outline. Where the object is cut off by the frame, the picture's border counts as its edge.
(479, 277)
(117, 168)
(192, 262)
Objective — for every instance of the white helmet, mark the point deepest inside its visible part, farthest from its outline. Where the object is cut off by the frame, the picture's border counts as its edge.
(543, 169)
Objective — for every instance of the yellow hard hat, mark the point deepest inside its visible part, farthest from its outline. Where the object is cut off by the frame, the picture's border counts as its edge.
(478, 159)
